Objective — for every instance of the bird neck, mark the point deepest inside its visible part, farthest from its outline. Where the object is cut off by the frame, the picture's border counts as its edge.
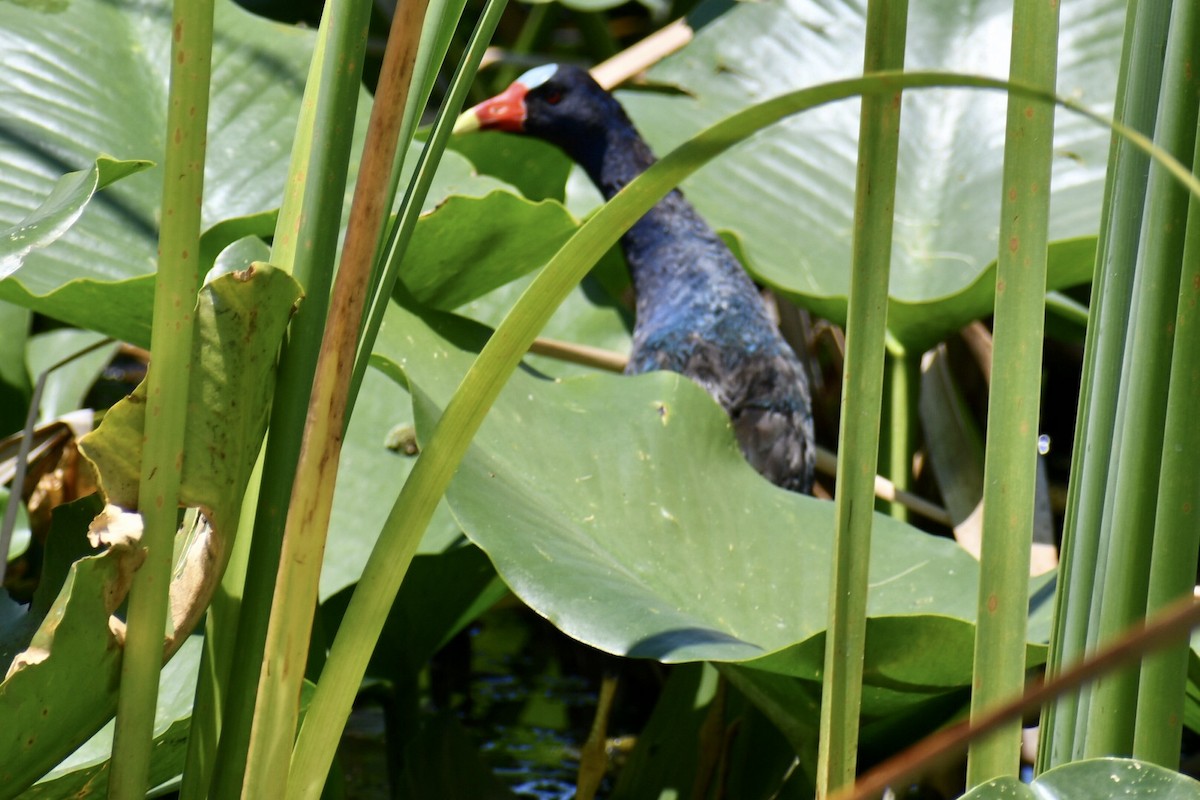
(615, 159)
(669, 250)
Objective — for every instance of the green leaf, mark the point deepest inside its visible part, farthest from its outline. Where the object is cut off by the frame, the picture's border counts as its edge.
(786, 195)
(639, 529)
(538, 170)
(15, 388)
(1094, 779)
(55, 216)
(45, 716)
(587, 316)
(65, 544)
(75, 90)
(66, 386)
(21, 535)
(85, 772)
(240, 320)
(370, 474)
(449, 268)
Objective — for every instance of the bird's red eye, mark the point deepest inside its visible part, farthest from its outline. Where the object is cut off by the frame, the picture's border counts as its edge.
(553, 96)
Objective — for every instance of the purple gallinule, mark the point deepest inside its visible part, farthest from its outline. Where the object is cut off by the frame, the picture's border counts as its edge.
(698, 313)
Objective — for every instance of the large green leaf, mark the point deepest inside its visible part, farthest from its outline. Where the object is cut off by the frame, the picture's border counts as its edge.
(622, 510)
(372, 469)
(1094, 779)
(786, 196)
(370, 473)
(45, 714)
(788, 193)
(60, 210)
(240, 320)
(445, 268)
(93, 81)
(85, 773)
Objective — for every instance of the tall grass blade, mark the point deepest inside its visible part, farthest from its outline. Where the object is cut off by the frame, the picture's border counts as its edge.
(862, 399)
(295, 599)
(305, 244)
(1141, 403)
(1158, 729)
(1010, 458)
(1112, 288)
(401, 230)
(167, 392)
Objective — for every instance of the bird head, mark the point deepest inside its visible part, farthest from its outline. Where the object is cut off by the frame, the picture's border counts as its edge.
(559, 103)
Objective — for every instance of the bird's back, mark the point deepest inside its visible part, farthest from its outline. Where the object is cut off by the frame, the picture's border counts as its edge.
(699, 314)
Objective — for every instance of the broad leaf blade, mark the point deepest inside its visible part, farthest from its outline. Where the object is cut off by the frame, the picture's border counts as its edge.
(93, 81)
(788, 194)
(1094, 779)
(638, 528)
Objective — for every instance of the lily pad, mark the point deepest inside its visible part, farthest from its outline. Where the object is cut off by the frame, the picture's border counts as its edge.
(621, 509)
(1094, 779)
(93, 82)
(788, 194)
(445, 268)
(45, 718)
(240, 321)
(85, 773)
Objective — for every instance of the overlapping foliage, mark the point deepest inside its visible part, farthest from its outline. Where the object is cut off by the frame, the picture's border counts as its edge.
(617, 508)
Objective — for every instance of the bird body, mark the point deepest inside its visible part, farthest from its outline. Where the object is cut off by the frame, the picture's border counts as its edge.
(698, 313)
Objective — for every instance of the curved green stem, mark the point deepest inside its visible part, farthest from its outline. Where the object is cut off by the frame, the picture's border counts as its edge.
(481, 385)
(167, 392)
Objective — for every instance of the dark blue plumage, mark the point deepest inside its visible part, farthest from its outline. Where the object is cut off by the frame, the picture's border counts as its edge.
(697, 312)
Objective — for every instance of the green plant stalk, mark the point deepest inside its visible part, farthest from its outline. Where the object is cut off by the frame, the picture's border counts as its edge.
(431, 55)
(902, 385)
(167, 392)
(305, 244)
(862, 399)
(296, 588)
(1158, 729)
(1010, 456)
(442, 19)
(406, 222)
(1112, 292)
(479, 388)
(1141, 405)
(937, 750)
(217, 659)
